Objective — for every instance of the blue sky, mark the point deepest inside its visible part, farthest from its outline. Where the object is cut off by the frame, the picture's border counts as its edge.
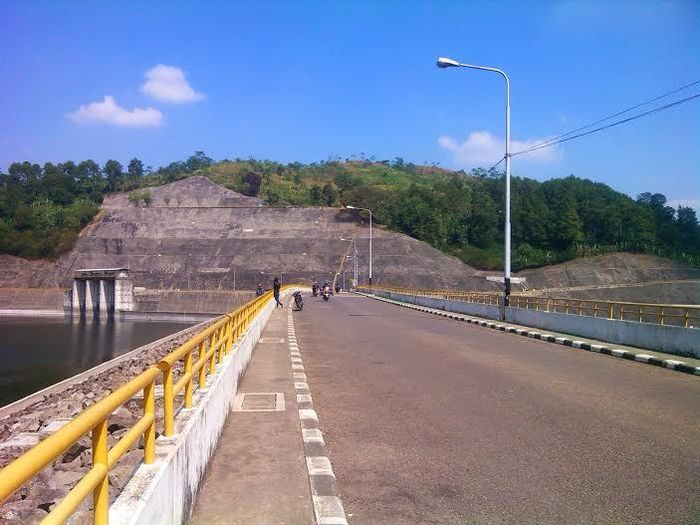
(308, 80)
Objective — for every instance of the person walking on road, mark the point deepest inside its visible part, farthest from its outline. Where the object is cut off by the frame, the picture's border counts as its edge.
(276, 285)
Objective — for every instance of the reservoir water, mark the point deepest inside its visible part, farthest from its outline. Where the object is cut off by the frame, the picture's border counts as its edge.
(35, 353)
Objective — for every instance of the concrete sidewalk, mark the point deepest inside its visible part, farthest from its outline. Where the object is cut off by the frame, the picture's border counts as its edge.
(258, 474)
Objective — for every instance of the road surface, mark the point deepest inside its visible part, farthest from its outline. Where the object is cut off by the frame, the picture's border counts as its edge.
(430, 420)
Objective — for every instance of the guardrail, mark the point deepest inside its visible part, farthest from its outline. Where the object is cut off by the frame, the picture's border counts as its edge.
(687, 316)
(211, 344)
(469, 297)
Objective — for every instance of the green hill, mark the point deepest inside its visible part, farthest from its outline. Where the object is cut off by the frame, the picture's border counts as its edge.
(43, 208)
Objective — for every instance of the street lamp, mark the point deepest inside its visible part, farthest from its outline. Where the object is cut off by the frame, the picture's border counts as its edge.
(370, 237)
(443, 62)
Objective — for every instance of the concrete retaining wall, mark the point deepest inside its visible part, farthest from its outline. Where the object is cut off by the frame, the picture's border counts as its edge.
(164, 492)
(671, 339)
(482, 310)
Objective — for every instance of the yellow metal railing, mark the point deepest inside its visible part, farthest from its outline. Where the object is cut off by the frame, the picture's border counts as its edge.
(469, 297)
(687, 316)
(211, 344)
(684, 315)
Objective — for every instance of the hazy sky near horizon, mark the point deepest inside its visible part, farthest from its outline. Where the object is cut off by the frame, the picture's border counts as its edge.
(308, 80)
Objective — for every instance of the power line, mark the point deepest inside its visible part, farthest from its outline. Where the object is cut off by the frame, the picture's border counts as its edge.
(617, 114)
(629, 119)
(496, 165)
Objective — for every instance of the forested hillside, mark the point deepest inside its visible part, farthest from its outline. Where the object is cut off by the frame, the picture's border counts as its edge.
(43, 208)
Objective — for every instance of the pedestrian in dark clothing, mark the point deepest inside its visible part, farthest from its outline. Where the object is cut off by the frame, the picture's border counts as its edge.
(276, 285)
(259, 291)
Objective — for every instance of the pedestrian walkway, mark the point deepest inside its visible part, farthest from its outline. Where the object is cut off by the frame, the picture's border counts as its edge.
(258, 474)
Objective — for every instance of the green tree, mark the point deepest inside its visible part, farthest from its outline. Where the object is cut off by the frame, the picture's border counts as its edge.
(198, 161)
(568, 229)
(135, 169)
(688, 229)
(114, 174)
(328, 194)
(315, 194)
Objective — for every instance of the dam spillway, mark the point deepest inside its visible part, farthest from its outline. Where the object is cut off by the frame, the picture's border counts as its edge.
(100, 292)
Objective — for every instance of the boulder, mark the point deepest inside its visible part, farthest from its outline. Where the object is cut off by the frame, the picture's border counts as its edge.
(68, 478)
(119, 419)
(21, 512)
(74, 451)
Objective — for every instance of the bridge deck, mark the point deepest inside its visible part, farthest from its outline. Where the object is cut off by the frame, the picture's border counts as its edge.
(429, 420)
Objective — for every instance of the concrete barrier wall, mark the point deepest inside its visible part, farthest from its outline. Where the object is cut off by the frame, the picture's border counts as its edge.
(482, 310)
(671, 339)
(164, 492)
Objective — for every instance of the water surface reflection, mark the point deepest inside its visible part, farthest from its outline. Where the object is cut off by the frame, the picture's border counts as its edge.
(35, 353)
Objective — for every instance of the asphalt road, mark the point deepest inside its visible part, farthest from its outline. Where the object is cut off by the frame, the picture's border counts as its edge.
(430, 420)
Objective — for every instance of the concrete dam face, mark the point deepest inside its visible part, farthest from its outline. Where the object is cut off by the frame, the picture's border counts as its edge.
(196, 235)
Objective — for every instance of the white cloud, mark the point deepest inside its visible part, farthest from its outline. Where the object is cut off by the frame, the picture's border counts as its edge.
(109, 112)
(481, 148)
(168, 84)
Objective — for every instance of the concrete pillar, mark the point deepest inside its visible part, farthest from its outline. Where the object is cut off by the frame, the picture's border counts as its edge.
(103, 305)
(79, 297)
(92, 296)
(109, 289)
(75, 297)
(123, 295)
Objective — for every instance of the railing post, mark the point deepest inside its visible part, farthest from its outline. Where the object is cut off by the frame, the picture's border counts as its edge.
(212, 357)
(188, 385)
(99, 457)
(641, 309)
(149, 435)
(610, 310)
(229, 335)
(661, 316)
(686, 317)
(223, 339)
(203, 368)
(168, 402)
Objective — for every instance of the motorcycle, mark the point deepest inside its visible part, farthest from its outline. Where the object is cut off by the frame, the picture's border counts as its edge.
(298, 301)
(326, 292)
(314, 290)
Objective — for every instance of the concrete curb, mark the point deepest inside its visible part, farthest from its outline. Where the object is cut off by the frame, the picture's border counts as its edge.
(671, 364)
(328, 508)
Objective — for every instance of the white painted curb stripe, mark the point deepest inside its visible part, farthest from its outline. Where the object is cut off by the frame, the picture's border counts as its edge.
(328, 508)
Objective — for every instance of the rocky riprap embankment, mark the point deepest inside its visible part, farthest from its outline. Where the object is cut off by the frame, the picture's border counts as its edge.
(24, 428)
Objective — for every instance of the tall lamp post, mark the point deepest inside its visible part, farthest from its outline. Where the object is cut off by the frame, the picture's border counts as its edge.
(370, 237)
(448, 62)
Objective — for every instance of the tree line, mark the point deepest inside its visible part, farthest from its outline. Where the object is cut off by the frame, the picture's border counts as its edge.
(42, 209)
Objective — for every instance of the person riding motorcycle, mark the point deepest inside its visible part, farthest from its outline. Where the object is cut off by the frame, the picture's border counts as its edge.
(314, 288)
